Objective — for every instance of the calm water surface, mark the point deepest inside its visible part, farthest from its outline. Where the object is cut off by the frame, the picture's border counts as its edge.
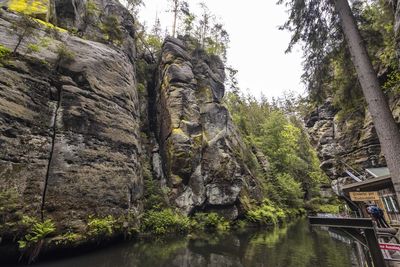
(294, 245)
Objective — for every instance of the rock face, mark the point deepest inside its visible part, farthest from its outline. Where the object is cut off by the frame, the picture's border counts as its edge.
(200, 146)
(69, 129)
(71, 118)
(351, 142)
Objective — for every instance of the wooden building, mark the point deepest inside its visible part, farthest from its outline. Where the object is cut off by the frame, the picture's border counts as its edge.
(380, 184)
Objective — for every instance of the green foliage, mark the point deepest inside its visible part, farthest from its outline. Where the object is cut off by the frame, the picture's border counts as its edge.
(101, 227)
(321, 205)
(45, 42)
(91, 8)
(290, 191)
(276, 131)
(32, 48)
(10, 210)
(329, 208)
(165, 222)
(210, 222)
(266, 214)
(37, 231)
(393, 82)
(68, 238)
(4, 53)
(328, 70)
(111, 29)
(154, 42)
(64, 55)
(23, 28)
(154, 197)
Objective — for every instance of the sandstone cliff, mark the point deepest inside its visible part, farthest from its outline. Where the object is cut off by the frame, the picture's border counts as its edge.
(346, 143)
(76, 136)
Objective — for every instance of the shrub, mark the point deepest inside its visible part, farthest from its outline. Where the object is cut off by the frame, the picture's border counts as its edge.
(101, 227)
(64, 55)
(210, 221)
(266, 214)
(4, 51)
(328, 208)
(165, 222)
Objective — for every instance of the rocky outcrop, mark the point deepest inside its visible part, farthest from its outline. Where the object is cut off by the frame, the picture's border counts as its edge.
(201, 149)
(77, 133)
(69, 129)
(346, 143)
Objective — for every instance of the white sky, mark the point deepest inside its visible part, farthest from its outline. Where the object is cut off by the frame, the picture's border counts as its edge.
(257, 47)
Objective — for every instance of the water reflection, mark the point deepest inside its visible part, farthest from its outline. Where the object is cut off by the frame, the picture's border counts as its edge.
(292, 246)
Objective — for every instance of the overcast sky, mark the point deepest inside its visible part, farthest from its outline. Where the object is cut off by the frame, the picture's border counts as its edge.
(257, 47)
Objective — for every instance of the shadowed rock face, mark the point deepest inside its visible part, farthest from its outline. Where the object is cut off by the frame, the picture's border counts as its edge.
(200, 146)
(69, 135)
(87, 18)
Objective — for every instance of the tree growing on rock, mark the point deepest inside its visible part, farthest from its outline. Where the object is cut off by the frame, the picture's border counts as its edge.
(187, 20)
(23, 28)
(134, 6)
(111, 28)
(64, 55)
(316, 23)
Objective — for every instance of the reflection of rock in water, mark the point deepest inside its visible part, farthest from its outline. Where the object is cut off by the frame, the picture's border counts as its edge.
(191, 259)
(294, 245)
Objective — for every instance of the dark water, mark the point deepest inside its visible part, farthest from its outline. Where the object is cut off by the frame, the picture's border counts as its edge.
(294, 245)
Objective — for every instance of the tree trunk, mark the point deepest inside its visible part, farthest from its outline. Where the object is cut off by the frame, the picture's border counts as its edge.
(385, 125)
(176, 7)
(19, 42)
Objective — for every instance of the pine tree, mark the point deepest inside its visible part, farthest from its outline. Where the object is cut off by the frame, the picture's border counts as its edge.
(317, 24)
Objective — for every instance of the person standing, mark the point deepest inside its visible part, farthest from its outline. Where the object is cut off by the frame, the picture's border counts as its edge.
(378, 215)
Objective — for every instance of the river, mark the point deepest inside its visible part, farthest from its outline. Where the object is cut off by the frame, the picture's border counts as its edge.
(293, 245)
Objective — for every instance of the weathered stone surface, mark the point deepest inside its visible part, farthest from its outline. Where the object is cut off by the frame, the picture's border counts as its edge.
(78, 135)
(69, 134)
(199, 144)
(349, 143)
(88, 18)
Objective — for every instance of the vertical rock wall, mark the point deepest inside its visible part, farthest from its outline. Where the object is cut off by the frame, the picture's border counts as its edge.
(201, 149)
(69, 129)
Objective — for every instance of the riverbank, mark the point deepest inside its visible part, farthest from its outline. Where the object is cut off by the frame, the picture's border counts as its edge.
(39, 241)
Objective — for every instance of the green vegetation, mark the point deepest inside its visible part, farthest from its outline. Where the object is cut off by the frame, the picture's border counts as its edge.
(37, 231)
(68, 238)
(32, 48)
(328, 70)
(101, 227)
(165, 222)
(4, 54)
(266, 214)
(275, 130)
(111, 29)
(29, 7)
(23, 28)
(91, 8)
(209, 222)
(10, 214)
(64, 55)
